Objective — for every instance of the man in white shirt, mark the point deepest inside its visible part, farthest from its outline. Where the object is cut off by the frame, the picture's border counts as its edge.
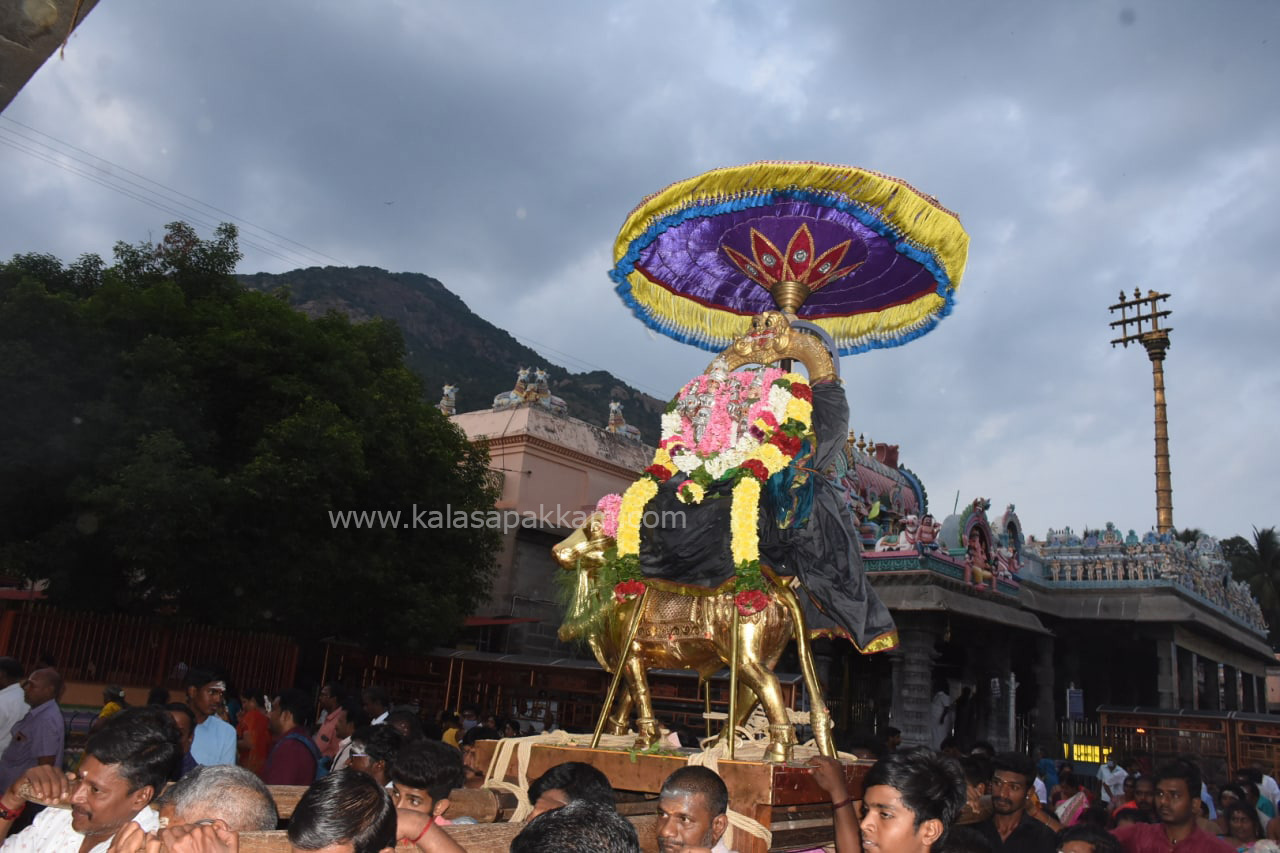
(1041, 791)
(375, 705)
(13, 704)
(126, 762)
(1270, 789)
(1267, 786)
(941, 716)
(215, 739)
(1112, 778)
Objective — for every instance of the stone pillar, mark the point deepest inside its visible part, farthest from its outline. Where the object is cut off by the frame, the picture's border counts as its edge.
(1187, 692)
(1231, 687)
(1211, 699)
(1046, 729)
(912, 683)
(1167, 673)
(999, 666)
(1250, 702)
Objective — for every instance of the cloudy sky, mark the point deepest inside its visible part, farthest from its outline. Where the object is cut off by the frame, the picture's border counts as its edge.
(1088, 147)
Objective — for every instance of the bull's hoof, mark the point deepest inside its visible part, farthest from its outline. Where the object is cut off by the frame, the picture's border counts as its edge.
(648, 732)
(777, 753)
(613, 727)
(781, 739)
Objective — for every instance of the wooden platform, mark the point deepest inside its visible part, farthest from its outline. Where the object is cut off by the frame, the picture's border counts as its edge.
(782, 797)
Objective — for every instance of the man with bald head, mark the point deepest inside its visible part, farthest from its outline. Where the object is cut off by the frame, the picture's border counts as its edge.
(39, 736)
(224, 792)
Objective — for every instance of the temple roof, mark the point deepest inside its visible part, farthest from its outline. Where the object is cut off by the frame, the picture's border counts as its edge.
(535, 422)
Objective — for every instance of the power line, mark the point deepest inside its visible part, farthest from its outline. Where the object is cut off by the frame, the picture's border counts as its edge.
(589, 366)
(254, 240)
(173, 206)
(151, 202)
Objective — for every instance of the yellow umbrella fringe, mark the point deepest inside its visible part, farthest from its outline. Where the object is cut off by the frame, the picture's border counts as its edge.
(720, 327)
(931, 226)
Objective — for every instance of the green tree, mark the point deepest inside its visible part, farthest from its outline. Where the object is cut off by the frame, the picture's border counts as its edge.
(176, 444)
(1258, 564)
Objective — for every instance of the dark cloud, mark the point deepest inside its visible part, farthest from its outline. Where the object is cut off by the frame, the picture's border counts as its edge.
(1088, 147)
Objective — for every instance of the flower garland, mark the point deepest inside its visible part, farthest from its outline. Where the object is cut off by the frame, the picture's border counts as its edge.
(608, 507)
(740, 428)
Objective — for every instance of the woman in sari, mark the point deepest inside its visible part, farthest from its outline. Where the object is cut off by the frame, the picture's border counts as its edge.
(1075, 800)
(1055, 790)
(1227, 795)
(1244, 826)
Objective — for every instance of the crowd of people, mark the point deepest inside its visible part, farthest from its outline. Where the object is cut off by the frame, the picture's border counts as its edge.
(1038, 805)
(192, 776)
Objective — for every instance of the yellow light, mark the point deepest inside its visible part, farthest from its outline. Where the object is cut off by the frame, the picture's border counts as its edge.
(1087, 752)
(1141, 730)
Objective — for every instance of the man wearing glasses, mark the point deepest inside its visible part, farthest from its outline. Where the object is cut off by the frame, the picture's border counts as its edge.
(1011, 829)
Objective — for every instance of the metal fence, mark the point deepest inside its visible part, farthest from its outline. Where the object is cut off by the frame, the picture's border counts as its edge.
(129, 650)
(1219, 740)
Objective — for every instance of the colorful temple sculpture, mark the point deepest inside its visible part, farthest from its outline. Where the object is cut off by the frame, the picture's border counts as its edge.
(448, 404)
(1105, 557)
(618, 424)
(531, 389)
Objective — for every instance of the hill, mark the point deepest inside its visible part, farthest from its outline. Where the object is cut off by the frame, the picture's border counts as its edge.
(446, 342)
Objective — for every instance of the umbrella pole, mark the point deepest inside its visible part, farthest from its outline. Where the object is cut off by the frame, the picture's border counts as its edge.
(617, 671)
(733, 681)
(706, 706)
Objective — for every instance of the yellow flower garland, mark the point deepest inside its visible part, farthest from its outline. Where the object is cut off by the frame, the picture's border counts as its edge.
(631, 514)
(745, 540)
(661, 457)
(691, 493)
(772, 458)
(800, 410)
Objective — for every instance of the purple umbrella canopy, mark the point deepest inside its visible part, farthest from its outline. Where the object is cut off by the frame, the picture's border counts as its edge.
(867, 257)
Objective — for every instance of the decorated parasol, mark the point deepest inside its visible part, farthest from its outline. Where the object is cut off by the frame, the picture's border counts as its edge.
(867, 257)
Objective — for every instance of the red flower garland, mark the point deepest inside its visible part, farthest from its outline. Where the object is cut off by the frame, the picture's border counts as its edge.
(658, 472)
(801, 391)
(751, 601)
(757, 469)
(628, 590)
(788, 444)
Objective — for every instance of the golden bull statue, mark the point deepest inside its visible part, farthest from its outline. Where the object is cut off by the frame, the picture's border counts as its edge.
(812, 569)
(678, 630)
